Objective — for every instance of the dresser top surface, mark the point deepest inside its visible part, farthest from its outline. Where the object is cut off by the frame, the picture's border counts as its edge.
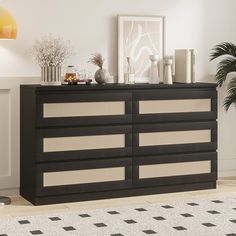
(117, 86)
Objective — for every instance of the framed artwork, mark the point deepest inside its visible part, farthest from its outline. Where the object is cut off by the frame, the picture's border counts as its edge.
(140, 37)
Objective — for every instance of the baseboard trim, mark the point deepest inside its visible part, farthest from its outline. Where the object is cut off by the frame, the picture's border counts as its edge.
(10, 192)
(227, 173)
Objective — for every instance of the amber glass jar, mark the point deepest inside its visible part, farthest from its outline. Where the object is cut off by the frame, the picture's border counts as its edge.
(71, 74)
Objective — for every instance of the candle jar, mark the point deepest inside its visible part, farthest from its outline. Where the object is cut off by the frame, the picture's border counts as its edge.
(71, 75)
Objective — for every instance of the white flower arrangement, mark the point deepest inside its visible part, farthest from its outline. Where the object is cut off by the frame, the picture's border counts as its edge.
(50, 51)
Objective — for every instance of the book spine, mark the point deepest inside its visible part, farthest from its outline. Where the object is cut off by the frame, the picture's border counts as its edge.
(193, 76)
(188, 66)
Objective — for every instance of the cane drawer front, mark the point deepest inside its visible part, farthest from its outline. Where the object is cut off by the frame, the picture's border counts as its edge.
(63, 144)
(175, 169)
(83, 176)
(84, 109)
(174, 137)
(177, 105)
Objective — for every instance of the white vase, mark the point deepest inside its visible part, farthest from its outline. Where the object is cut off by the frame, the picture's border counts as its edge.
(167, 71)
(51, 75)
(154, 72)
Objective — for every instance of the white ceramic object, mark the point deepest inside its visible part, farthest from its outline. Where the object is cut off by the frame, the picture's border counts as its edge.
(168, 71)
(51, 75)
(154, 72)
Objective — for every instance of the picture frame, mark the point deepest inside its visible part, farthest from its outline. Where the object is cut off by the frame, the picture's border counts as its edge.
(138, 38)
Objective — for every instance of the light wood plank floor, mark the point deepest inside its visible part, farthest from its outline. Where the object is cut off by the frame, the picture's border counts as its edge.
(21, 207)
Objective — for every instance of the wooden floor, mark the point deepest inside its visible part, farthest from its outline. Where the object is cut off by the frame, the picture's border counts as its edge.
(21, 207)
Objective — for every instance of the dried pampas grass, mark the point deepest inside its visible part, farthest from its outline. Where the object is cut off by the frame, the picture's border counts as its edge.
(97, 60)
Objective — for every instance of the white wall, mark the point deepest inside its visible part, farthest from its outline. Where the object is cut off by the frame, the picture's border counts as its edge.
(91, 26)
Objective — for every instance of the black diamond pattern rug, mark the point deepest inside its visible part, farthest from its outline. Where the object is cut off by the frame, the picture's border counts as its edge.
(212, 216)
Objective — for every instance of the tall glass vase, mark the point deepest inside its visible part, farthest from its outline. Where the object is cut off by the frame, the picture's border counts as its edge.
(130, 72)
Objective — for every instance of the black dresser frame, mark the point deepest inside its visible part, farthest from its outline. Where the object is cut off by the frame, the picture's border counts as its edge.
(34, 127)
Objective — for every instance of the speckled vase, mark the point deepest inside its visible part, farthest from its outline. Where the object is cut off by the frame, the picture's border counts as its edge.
(102, 76)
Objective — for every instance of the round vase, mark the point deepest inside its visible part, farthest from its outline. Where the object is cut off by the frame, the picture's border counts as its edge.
(102, 76)
(51, 75)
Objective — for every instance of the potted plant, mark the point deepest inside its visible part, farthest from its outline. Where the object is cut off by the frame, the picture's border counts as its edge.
(101, 75)
(50, 53)
(227, 65)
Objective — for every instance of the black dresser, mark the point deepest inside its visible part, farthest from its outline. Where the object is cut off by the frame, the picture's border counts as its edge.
(104, 141)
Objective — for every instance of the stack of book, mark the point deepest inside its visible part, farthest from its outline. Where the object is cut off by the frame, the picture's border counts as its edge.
(184, 66)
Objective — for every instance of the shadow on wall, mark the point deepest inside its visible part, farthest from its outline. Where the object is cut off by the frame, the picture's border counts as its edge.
(226, 131)
(113, 46)
(226, 136)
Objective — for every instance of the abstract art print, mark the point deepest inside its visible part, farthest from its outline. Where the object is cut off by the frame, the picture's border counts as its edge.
(140, 37)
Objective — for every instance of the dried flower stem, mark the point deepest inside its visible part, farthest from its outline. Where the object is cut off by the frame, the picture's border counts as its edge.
(51, 51)
(97, 60)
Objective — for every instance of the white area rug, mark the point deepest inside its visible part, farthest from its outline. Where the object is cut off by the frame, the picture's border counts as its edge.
(211, 216)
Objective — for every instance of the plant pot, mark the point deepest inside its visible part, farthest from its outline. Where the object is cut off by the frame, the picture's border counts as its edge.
(51, 75)
(102, 76)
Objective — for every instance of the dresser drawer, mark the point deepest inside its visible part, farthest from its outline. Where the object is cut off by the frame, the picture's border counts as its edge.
(83, 176)
(177, 105)
(83, 143)
(84, 109)
(174, 137)
(174, 169)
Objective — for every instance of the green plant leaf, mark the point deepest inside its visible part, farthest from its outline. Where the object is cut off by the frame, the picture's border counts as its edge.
(223, 49)
(225, 67)
(231, 94)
